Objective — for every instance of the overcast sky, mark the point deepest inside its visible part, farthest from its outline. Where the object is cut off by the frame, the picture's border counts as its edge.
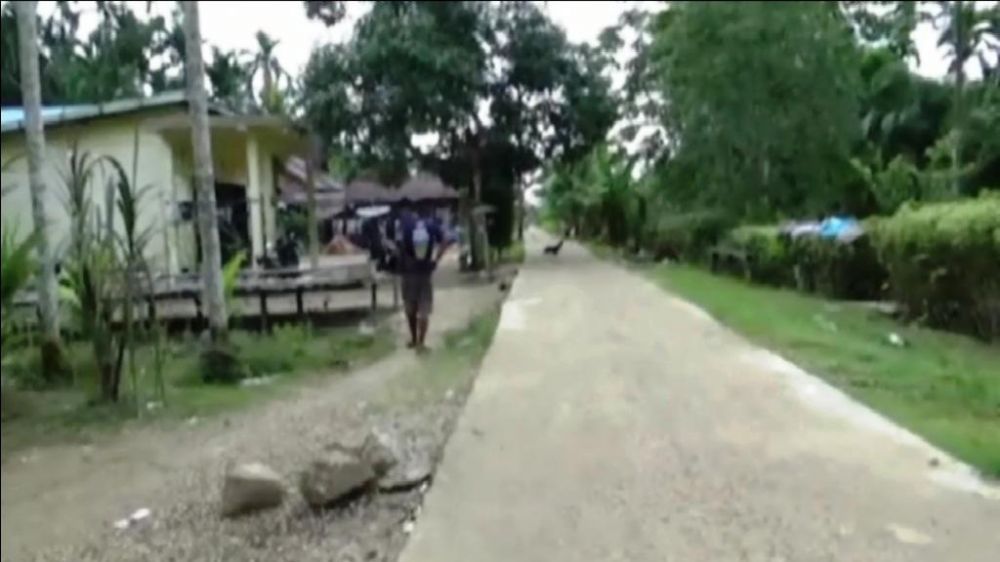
(583, 21)
(232, 25)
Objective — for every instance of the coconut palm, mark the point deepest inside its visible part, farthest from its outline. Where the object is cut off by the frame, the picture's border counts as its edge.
(208, 224)
(48, 290)
(228, 76)
(965, 33)
(266, 65)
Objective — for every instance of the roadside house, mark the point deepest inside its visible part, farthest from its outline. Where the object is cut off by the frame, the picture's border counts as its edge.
(153, 137)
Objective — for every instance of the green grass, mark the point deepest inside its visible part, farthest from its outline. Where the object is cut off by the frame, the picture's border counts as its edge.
(513, 254)
(944, 387)
(290, 356)
(453, 367)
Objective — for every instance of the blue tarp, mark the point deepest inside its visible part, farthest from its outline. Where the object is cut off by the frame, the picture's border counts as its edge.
(837, 227)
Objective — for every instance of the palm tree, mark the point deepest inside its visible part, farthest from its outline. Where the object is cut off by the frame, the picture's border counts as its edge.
(208, 224)
(48, 290)
(965, 30)
(228, 77)
(272, 73)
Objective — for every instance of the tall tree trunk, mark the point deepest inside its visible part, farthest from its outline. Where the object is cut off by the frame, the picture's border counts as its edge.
(311, 162)
(959, 102)
(48, 291)
(208, 223)
(267, 94)
(519, 188)
(478, 223)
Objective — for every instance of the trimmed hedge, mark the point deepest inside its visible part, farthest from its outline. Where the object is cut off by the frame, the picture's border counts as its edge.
(843, 271)
(686, 236)
(944, 263)
(768, 256)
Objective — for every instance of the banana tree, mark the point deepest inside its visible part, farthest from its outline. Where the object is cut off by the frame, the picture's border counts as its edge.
(17, 266)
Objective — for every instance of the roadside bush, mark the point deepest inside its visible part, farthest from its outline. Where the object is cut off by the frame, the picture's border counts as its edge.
(221, 364)
(944, 263)
(279, 353)
(9, 402)
(836, 270)
(768, 255)
(686, 236)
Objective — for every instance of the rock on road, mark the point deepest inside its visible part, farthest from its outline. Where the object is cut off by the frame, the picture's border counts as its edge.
(612, 421)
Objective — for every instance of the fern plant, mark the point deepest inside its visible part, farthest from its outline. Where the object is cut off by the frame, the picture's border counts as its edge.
(17, 266)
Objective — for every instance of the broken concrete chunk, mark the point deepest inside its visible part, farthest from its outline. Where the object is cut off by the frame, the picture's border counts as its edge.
(381, 451)
(249, 488)
(411, 473)
(333, 477)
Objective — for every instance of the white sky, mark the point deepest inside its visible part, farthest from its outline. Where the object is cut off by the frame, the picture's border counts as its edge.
(583, 21)
(232, 25)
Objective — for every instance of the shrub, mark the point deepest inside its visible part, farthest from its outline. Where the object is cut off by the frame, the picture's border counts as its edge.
(944, 263)
(686, 236)
(837, 270)
(12, 403)
(278, 353)
(221, 364)
(768, 255)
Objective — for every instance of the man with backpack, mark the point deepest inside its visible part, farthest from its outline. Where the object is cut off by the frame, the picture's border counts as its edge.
(420, 244)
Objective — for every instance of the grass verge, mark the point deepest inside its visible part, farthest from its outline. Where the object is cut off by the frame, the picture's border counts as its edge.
(943, 386)
(451, 368)
(280, 361)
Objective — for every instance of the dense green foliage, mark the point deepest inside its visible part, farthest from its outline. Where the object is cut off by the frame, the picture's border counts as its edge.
(689, 236)
(17, 266)
(131, 54)
(494, 89)
(115, 60)
(806, 110)
(280, 360)
(833, 269)
(759, 115)
(944, 263)
(941, 262)
(762, 101)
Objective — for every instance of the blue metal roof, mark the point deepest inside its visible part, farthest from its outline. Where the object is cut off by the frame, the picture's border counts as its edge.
(12, 118)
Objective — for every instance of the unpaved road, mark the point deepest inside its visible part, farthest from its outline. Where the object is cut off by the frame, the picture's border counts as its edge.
(612, 422)
(59, 503)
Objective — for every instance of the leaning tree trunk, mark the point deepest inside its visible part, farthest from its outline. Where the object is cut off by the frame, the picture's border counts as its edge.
(312, 159)
(208, 223)
(959, 102)
(48, 290)
(476, 241)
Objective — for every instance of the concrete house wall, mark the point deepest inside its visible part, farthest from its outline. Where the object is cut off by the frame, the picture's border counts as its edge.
(246, 152)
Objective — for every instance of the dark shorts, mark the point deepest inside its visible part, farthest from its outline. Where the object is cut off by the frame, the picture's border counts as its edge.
(418, 294)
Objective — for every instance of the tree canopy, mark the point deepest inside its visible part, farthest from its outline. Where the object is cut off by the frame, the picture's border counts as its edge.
(133, 54)
(461, 88)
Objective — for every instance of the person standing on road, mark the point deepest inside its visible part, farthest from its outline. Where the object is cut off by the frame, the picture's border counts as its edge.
(420, 245)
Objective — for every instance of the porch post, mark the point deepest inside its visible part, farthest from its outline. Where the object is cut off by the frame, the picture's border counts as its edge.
(254, 213)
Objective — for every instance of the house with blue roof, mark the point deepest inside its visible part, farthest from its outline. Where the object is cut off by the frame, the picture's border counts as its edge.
(153, 136)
